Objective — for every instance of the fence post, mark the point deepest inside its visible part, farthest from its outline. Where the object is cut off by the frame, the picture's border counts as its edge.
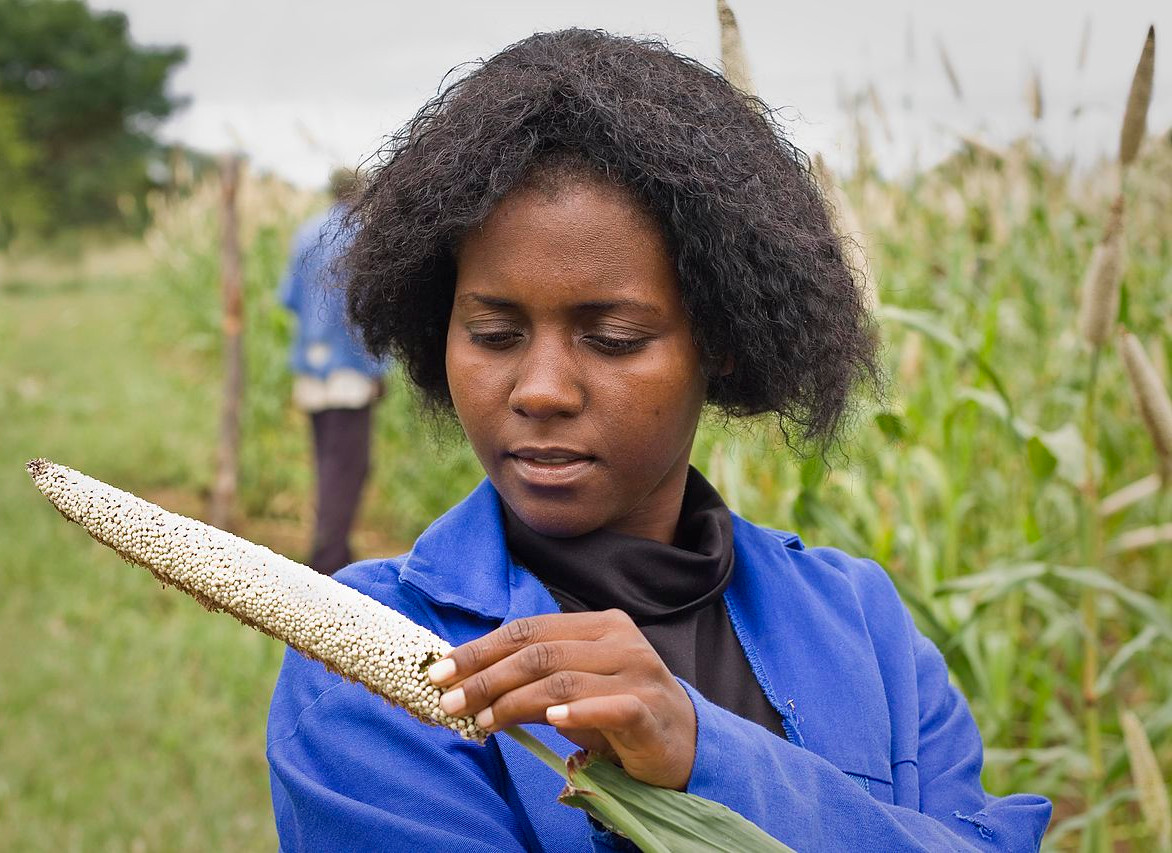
(223, 499)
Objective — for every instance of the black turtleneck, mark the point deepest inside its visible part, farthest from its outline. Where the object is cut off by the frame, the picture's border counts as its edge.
(674, 593)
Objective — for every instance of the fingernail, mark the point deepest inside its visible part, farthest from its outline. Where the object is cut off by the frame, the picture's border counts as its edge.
(484, 718)
(453, 701)
(441, 671)
(556, 713)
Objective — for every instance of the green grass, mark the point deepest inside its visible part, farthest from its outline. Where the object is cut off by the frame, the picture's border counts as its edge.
(132, 719)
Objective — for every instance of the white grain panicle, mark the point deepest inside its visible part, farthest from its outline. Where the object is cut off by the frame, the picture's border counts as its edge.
(351, 633)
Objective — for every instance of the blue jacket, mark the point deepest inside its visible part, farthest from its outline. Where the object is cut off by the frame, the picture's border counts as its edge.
(325, 341)
(883, 754)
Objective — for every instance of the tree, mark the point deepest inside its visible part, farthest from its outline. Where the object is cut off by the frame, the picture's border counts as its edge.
(19, 200)
(79, 106)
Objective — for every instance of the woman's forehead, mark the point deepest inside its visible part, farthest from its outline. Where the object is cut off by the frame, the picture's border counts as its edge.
(588, 239)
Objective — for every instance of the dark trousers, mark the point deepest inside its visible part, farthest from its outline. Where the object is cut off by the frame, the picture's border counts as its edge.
(341, 449)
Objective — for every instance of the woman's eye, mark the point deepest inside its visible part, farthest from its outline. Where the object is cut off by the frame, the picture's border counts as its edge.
(616, 346)
(494, 340)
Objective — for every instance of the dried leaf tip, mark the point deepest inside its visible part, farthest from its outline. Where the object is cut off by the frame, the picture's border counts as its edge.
(732, 50)
(949, 70)
(1034, 94)
(1139, 98)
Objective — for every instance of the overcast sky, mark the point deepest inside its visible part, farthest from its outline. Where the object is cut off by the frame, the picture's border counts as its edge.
(301, 85)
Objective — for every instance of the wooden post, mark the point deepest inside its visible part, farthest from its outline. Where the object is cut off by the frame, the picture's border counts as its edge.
(228, 451)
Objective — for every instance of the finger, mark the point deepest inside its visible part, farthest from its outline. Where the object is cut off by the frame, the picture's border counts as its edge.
(625, 718)
(496, 645)
(528, 704)
(530, 664)
(646, 748)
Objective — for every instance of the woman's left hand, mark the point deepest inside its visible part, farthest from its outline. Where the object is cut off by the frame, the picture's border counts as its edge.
(592, 675)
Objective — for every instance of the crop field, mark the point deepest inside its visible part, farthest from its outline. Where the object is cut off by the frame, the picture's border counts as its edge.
(1006, 481)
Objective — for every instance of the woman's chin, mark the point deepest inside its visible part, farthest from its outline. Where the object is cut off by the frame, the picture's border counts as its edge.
(559, 522)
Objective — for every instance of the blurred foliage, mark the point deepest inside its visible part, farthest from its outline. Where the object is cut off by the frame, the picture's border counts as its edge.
(22, 203)
(79, 105)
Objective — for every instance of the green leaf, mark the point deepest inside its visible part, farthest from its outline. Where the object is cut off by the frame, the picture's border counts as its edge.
(1137, 645)
(930, 327)
(944, 637)
(1069, 449)
(812, 473)
(1065, 444)
(1042, 461)
(668, 820)
(995, 582)
(1151, 610)
(657, 820)
(891, 425)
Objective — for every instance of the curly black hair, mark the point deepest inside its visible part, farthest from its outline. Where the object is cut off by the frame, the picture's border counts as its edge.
(762, 272)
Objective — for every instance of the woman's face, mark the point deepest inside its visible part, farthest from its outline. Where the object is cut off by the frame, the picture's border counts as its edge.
(571, 362)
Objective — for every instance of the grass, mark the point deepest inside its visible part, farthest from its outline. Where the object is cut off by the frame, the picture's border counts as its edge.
(132, 719)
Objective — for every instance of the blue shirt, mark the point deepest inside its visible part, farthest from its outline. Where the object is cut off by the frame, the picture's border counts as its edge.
(883, 754)
(325, 341)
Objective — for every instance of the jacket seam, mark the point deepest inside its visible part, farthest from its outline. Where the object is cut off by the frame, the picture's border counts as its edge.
(788, 723)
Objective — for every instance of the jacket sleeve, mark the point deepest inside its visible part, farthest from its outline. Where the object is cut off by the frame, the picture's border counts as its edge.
(350, 772)
(807, 802)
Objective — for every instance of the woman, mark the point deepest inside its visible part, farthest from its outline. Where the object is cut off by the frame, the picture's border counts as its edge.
(575, 249)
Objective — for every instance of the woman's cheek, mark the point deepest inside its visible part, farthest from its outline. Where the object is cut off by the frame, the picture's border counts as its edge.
(474, 377)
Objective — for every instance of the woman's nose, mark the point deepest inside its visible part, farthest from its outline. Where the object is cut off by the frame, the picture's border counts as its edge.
(547, 383)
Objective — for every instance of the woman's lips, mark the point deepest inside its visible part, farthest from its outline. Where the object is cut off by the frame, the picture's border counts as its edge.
(550, 469)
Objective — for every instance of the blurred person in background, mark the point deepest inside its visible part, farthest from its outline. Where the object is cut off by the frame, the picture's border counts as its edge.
(336, 381)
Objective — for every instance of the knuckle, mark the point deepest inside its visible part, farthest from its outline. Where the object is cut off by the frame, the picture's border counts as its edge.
(648, 659)
(541, 658)
(476, 688)
(618, 619)
(641, 716)
(475, 655)
(564, 685)
(626, 711)
(520, 632)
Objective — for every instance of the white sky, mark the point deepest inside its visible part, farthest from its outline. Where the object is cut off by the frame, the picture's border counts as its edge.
(303, 85)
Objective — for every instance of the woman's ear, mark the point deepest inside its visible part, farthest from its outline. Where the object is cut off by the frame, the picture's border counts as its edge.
(727, 365)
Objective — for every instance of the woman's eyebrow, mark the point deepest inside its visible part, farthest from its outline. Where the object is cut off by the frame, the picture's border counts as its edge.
(484, 299)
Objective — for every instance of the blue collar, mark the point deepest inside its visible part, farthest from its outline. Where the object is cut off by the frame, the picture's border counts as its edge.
(461, 560)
